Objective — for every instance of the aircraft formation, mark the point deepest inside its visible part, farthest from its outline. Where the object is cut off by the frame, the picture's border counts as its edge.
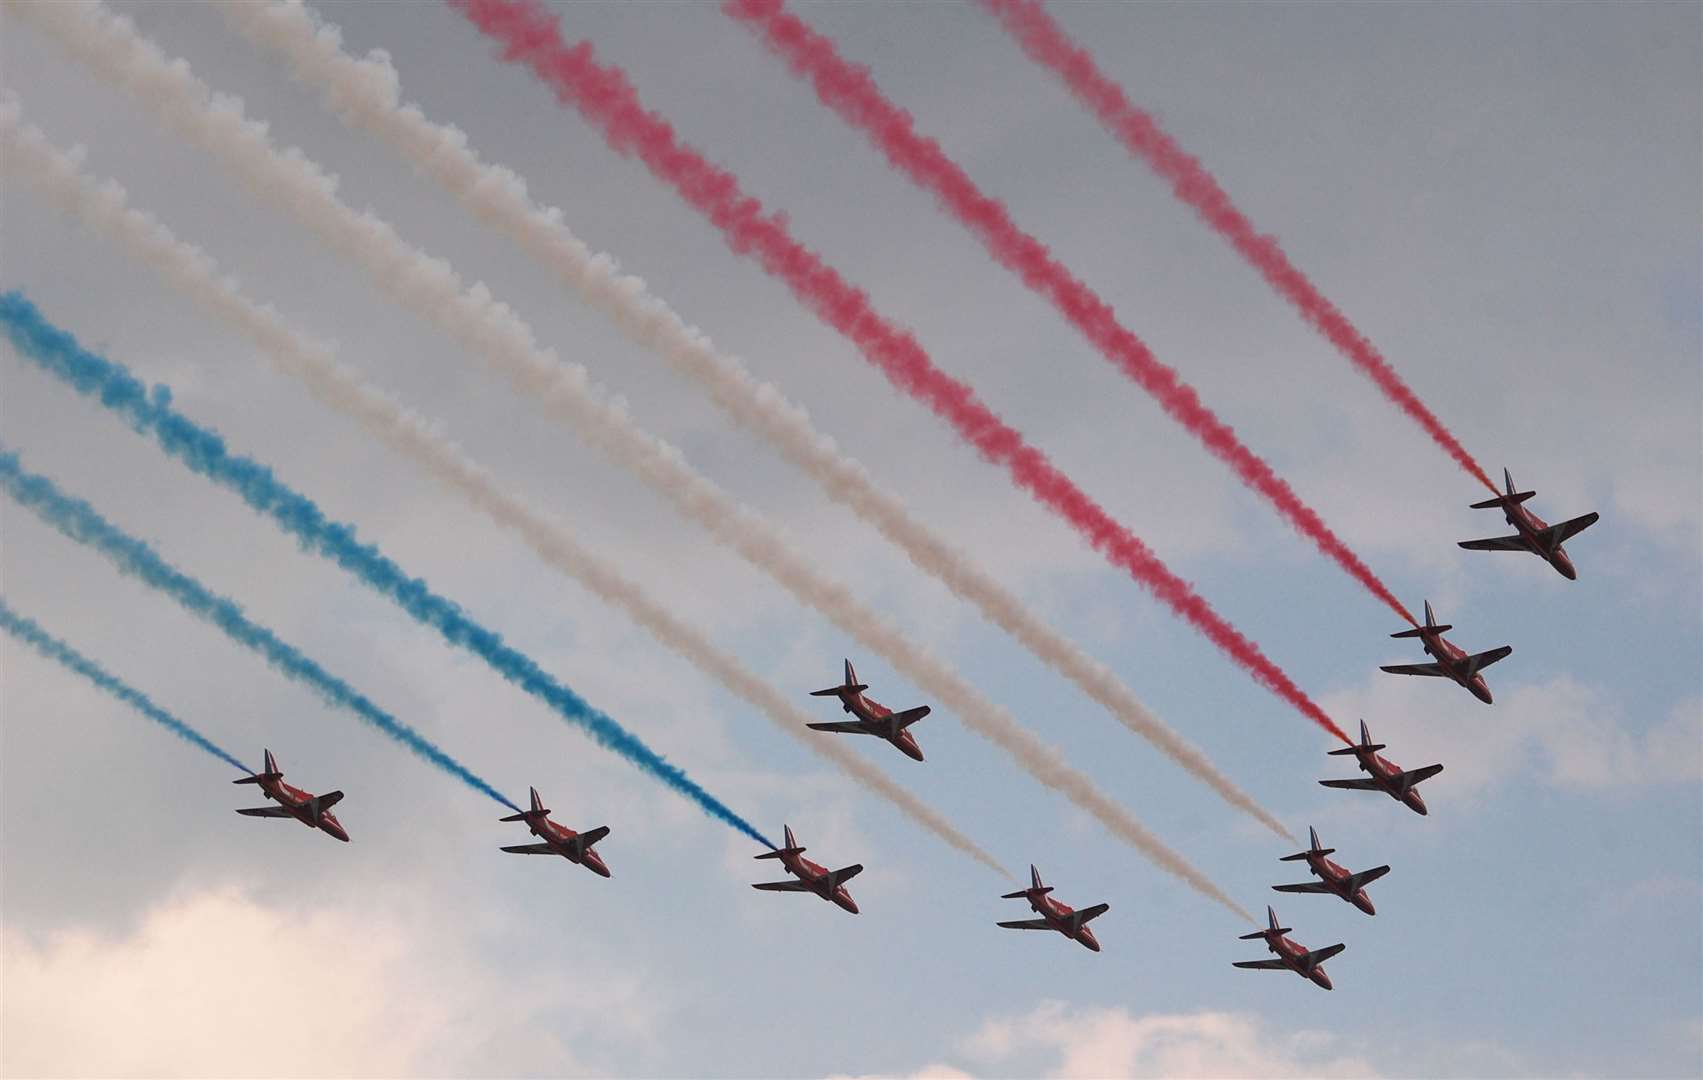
(873, 718)
(493, 329)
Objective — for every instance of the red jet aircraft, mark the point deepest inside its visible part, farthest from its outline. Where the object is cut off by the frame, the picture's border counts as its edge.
(812, 877)
(873, 718)
(1055, 914)
(1452, 662)
(1296, 958)
(1533, 535)
(559, 840)
(311, 810)
(1333, 878)
(1387, 776)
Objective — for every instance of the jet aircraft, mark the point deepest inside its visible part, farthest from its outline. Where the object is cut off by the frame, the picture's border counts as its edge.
(873, 718)
(1452, 662)
(311, 810)
(812, 877)
(1332, 877)
(1055, 914)
(1532, 533)
(1386, 775)
(558, 839)
(1296, 958)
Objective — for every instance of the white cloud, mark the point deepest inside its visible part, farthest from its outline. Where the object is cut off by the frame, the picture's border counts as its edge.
(218, 983)
(1100, 1042)
(1573, 735)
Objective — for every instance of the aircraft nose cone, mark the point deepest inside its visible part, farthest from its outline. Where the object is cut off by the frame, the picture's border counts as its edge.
(1364, 903)
(1482, 692)
(1323, 980)
(847, 902)
(1090, 940)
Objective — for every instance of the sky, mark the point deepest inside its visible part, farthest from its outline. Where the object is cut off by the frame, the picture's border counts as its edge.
(1504, 197)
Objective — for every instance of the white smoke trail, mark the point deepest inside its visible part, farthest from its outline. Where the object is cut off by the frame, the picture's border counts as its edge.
(366, 94)
(487, 328)
(104, 209)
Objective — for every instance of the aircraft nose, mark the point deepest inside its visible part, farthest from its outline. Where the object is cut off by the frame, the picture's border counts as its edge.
(1364, 903)
(1323, 980)
(1482, 692)
(1090, 940)
(845, 901)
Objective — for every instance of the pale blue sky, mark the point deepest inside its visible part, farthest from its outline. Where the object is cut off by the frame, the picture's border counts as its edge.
(1504, 197)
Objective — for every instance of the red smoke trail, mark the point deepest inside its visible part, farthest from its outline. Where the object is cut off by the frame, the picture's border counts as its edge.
(851, 92)
(528, 34)
(1048, 45)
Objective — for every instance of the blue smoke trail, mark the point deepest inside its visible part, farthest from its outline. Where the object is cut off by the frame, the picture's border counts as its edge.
(78, 520)
(29, 632)
(204, 450)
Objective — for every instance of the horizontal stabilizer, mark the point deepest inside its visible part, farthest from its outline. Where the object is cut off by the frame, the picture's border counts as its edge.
(1027, 924)
(1260, 965)
(530, 849)
(836, 691)
(1362, 747)
(1415, 669)
(1503, 500)
(1304, 887)
(778, 852)
(1304, 854)
(255, 778)
(1258, 934)
(782, 886)
(1421, 631)
(849, 727)
(1363, 783)
(266, 811)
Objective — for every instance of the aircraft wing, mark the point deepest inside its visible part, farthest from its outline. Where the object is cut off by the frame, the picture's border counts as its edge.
(1556, 535)
(1496, 543)
(1415, 669)
(854, 727)
(783, 886)
(1273, 964)
(592, 836)
(531, 849)
(1479, 661)
(1365, 877)
(1079, 917)
(266, 811)
(1027, 924)
(908, 717)
(1319, 956)
(1414, 776)
(1364, 783)
(1305, 886)
(839, 877)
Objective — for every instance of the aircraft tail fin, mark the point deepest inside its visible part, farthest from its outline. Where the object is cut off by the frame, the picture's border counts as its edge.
(849, 686)
(791, 847)
(268, 772)
(1508, 499)
(538, 810)
(1258, 934)
(1431, 626)
(1313, 847)
(1035, 886)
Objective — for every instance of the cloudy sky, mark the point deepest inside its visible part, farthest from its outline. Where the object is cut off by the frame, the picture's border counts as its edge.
(1503, 196)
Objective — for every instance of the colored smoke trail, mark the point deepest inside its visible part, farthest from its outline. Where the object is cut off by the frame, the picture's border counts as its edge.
(1046, 43)
(850, 91)
(79, 521)
(491, 330)
(204, 452)
(366, 94)
(30, 633)
(529, 34)
(104, 209)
